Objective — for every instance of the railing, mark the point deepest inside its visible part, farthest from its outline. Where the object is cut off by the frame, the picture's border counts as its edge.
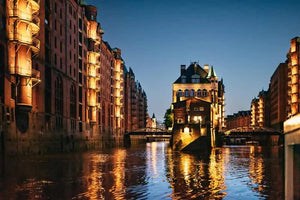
(22, 14)
(98, 85)
(92, 46)
(36, 43)
(35, 1)
(36, 74)
(26, 71)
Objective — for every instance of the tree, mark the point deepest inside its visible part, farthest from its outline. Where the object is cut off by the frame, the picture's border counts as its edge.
(168, 118)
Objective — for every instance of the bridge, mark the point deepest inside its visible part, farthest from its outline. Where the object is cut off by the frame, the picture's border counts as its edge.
(148, 135)
(253, 135)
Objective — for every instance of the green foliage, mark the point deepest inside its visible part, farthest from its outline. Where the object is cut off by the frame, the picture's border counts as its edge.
(168, 118)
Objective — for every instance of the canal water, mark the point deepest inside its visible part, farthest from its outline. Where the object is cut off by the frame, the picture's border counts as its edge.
(151, 171)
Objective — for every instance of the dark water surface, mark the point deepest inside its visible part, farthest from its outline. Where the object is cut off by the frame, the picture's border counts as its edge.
(152, 171)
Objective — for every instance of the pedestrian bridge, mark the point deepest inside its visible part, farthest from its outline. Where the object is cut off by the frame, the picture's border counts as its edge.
(250, 129)
(253, 135)
(149, 134)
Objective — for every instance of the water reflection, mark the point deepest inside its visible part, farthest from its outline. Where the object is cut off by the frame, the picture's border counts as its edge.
(152, 171)
(196, 176)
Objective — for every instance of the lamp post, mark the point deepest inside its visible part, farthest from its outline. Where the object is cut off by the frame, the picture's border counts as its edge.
(196, 118)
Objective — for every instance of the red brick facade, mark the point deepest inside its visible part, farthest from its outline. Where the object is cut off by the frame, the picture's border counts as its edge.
(75, 84)
(237, 120)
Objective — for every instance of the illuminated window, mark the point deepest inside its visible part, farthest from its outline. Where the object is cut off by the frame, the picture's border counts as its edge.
(179, 93)
(186, 93)
(205, 93)
(192, 92)
(198, 93)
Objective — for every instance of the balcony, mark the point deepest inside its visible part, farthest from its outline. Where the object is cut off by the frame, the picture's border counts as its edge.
(35, 75)
(92, 84)
(26, 17)
(295, 89)
(25, 39)
(36, 44)
(35, 5)
(92, 46)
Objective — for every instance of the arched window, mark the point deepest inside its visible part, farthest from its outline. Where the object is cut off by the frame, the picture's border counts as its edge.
(186, 92)
(204, 93)
(59, 101)
(192, 92)
(198, 93)
(179, 93)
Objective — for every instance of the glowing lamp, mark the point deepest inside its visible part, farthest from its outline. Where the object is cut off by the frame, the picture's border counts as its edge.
(186, 130)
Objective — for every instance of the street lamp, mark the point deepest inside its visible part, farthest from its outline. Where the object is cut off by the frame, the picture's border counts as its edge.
(196, 118)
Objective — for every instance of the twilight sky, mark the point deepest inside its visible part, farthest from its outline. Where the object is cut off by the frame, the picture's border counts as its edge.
(244, 40)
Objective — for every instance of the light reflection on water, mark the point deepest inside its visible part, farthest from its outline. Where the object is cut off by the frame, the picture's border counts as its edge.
(152, 171)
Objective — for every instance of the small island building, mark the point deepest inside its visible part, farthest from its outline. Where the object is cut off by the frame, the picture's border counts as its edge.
(197, 107)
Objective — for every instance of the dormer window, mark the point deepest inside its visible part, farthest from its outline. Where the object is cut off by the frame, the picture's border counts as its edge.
(183, 79)
(195, 78)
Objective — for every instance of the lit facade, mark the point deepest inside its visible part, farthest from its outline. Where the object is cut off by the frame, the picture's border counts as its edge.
(254, 112)
(292, 124)
(118, 80)
(260, 110)
(22, 29)
(198, 86)
(93, 64)
(293, 77)
(60, 82)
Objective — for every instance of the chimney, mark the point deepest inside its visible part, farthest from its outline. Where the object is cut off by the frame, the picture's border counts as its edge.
(182, 69)
(206, 67)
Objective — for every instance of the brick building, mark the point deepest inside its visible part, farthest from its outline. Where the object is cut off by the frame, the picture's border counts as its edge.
(135, 102)
(292, 124)
(59, 80)
(260, 110)
(198, 101)
(237, 120)
(278, 97)
(293, 57)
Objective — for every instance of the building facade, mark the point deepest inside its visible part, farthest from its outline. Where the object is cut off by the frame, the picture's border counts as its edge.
(292, 124)
(59, 81)
(293, 77)
(201, 88)
(136, 106)
(254, 112)
(278, 97)
(238, 120)
(260, 110)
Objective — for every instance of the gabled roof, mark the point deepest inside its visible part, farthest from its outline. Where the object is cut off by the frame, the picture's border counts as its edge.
(194, 69)
(131, 72)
